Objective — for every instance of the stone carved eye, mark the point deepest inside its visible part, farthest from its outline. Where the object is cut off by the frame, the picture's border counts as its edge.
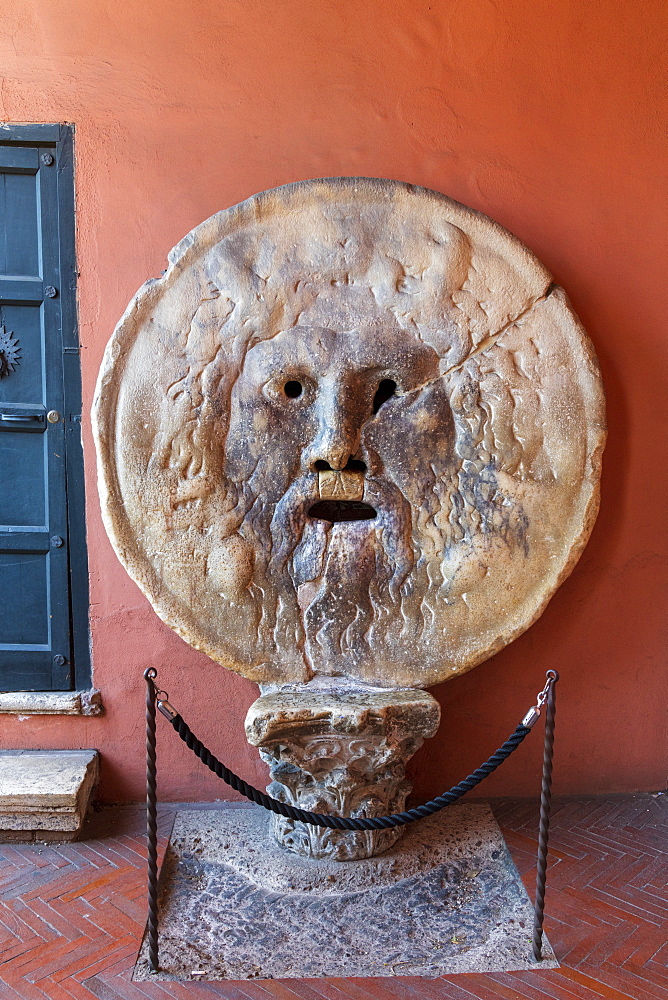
(293, 389)
(385, 391)
(289, 390)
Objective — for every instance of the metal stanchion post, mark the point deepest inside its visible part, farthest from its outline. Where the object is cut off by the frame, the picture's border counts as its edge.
(151, 820)
(545, 806)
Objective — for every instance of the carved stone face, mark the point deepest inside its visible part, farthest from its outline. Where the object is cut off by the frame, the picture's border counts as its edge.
(339, 425)
(312, 394)
(354, 430)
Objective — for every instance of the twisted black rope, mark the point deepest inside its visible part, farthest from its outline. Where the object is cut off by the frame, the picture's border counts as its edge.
(341, 822)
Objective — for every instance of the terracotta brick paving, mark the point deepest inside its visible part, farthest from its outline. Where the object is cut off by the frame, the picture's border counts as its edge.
(72, 915)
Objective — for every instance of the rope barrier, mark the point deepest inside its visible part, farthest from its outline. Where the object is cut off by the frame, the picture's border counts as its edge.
(159, 698)
(342, 822)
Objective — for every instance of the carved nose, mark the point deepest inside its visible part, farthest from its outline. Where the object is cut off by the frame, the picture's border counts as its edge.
(331, 450)
(337, 436)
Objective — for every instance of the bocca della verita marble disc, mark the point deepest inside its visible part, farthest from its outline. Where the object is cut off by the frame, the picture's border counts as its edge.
(354, 430)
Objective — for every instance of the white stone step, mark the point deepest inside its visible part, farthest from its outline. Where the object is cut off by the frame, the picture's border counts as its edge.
(44, 794)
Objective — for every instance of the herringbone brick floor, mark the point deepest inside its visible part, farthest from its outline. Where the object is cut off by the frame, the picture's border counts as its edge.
(72, 915)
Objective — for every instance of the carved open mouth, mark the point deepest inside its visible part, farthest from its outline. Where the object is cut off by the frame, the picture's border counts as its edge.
(342, 510)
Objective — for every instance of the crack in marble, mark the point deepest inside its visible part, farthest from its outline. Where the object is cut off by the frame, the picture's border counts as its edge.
(485, 344)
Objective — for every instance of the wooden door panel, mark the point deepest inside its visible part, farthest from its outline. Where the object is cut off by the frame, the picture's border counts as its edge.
(19, 241)
(25, 385)
(23, 495)
(24, 620)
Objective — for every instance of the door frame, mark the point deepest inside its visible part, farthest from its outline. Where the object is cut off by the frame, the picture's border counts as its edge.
(59, 140)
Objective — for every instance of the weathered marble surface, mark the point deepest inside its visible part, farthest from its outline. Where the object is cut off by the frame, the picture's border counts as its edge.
(445, 899)
(340, 752)
(358, 342)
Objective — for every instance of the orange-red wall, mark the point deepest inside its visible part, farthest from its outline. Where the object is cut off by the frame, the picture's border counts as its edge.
(545, 115)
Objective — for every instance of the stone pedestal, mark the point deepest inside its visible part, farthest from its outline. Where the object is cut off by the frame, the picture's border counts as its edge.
(340, 751)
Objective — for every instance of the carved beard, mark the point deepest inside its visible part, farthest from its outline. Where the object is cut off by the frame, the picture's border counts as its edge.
(342, 596)
(343, 578)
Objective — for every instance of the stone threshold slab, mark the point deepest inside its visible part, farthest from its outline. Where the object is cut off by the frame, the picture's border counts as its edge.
(45, 790)
(446, 899)
(51, 702)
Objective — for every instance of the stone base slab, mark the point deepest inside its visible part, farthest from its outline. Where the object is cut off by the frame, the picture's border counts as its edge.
(44, 794)
(445, 899)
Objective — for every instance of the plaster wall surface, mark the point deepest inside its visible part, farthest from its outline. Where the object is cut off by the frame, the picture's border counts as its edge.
(546, 117)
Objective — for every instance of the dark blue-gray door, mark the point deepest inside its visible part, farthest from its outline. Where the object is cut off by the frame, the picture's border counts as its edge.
(39, 410)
